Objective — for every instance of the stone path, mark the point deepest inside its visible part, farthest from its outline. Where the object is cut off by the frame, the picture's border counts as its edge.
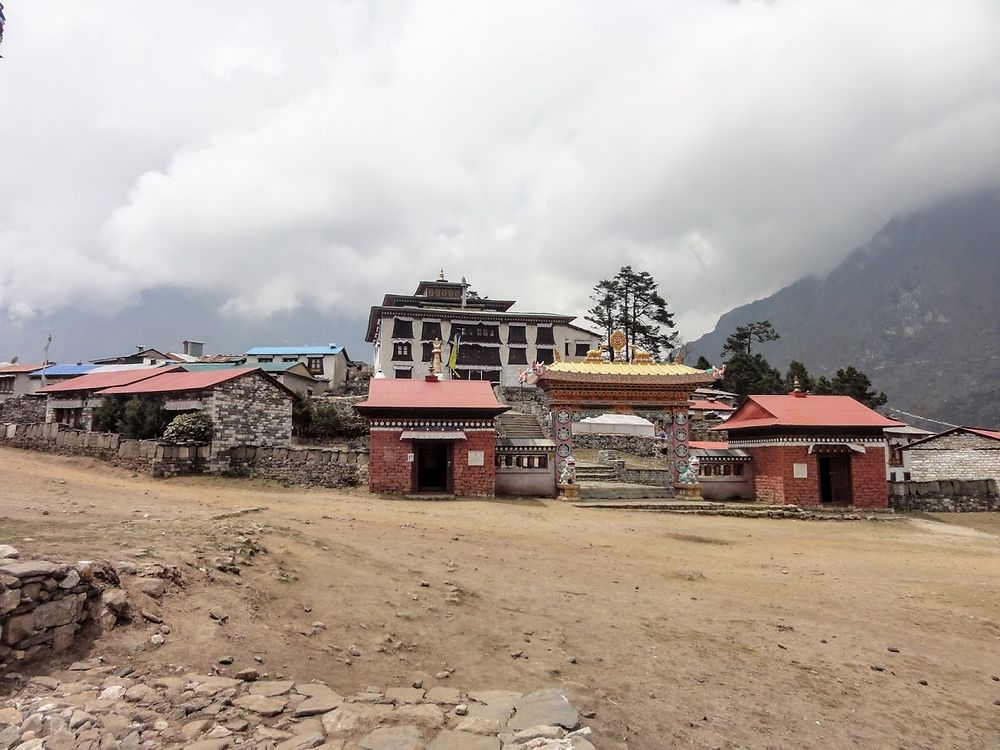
(96, 707)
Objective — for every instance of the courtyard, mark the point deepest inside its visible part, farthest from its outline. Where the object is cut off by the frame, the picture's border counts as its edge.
(671, 630)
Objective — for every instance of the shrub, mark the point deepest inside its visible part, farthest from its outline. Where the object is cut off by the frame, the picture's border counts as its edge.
(194, 427)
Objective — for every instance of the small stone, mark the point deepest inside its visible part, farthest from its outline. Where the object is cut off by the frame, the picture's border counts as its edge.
(442, 675)
(423, 584)
(260, 704)
(9, 553)
(354, 651)
(248, 675)
(516, 654)
(157, 639)
(996, 678)
(893, 650)
(461, 709)
(226, 660)
(218, 615)
(922, 682)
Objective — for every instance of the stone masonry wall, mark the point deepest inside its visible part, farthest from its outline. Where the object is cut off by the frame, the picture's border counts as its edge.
(959, 455)
(948, 496)
(43, 607)
(637, 445)
(526, 400)
(322, 467)
(250, 410)
(23, 409)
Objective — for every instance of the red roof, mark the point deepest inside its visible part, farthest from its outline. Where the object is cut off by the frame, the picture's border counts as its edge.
(386, 393)
(995, 434)
(98, 381)
(14, 369)
(709, 445)
(992, 434)
(804, 411)
(710, 406)
(180, 380)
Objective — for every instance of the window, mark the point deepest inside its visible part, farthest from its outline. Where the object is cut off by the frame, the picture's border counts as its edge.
(264, 360)
(402, 352)
(6, 385)
(404, 373)
(289, 359)
(545, 356)
(895, 457)
(727, 470)
(491, 375)
(430, 331)
(428, 351)
(906, 476)
(479, 332)
(474, 354)
(582, 348)
(517, 356)
(515, 335)
(545, 336)
(738, 470)
(567, 348)
(315, 365)
(402, 329)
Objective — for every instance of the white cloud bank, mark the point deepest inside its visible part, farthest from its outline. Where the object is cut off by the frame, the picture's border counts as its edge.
(323, 154)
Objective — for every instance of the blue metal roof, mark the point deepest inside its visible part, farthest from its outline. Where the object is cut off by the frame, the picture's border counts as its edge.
(289, 351)
(54, 371)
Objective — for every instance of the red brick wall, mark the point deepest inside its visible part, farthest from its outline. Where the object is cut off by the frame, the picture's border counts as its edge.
(773, 481)
(390, 472)
(388, 469)
(476, 481)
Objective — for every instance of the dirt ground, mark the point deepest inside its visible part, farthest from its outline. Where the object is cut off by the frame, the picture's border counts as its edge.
(678, 631)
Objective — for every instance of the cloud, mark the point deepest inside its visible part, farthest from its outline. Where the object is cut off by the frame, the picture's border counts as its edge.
(326, 154)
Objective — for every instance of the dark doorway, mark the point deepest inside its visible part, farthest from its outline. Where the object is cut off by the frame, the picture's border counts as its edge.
(433, 460)
(835, 480)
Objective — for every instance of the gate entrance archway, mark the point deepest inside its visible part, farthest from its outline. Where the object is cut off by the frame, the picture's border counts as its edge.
(641, 385)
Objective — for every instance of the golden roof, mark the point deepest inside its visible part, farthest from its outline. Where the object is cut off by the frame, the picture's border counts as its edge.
(625, 368)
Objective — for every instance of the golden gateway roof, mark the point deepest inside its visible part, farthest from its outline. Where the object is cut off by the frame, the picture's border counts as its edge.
(624, 372)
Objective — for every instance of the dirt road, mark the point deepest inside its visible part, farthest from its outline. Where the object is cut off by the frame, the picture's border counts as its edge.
(677, 631)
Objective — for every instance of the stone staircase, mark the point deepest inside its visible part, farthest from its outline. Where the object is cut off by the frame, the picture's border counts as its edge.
(595, 473)
(515, 425)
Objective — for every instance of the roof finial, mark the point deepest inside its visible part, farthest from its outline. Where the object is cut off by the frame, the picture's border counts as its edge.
(797, 389)
(441, 276)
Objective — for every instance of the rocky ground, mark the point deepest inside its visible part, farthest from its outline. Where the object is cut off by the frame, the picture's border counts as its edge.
(662, 630)
(91, 706)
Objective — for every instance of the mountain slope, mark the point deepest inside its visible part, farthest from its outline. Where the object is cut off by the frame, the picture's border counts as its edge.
(917, 309)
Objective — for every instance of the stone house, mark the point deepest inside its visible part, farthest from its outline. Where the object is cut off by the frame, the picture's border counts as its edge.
(15, 380)
(432, 436)
(493, 342)
(247, 407)
(328, 363)
(959, 453)
(897, 468)
(813, 450)
(72, 401)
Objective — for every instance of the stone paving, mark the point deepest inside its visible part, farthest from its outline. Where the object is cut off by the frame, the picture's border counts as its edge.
(92, 706)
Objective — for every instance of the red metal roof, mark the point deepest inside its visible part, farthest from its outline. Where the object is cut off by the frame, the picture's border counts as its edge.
(99, 381)
(179, 380)
(422, 394)
(14, 369)
(804, 411)
(709, 445)
(710, 406)
(995, 434)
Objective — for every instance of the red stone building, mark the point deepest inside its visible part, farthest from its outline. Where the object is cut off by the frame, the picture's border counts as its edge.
(432, 436)
(813, 450)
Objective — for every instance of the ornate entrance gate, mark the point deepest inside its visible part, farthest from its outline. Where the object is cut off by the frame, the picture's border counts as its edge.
(642, 385)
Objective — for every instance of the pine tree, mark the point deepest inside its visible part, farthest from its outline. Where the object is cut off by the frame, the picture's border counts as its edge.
(742, 339)
(631, 301)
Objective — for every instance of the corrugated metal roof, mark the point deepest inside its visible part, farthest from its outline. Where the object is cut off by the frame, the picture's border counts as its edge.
(14, 369)
(289, 351)
(178, 380)
(710, 406)
(804, 411)
(423, 394)
(62, 371)
(98, 381)
(992, 434)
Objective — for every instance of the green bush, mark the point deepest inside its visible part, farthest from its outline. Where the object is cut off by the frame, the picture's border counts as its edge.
(194, 427)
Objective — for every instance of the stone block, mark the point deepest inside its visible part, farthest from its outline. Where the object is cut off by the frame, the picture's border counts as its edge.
(9, 599)
(56, 613)
(18, 628)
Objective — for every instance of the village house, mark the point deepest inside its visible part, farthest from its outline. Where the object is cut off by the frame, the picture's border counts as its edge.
(72, 401)
(958, 453)
(247, 406)
(328, 363)
(484, 338)
(432, 436)
(813, 450)
(897, 467)
(15, 380)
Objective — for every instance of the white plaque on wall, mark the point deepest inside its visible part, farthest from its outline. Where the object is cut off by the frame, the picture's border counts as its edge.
(800, 471)
(477, 458)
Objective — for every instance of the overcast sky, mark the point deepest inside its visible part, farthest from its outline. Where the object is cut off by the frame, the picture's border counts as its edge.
(277, 157)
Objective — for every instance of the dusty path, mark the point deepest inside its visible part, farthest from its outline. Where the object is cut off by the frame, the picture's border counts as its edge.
(678, 631)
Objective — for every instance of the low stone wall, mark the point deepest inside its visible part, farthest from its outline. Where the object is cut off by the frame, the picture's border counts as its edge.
(947, 496)
(635, 444)
(525, 400)
(322, 467)
(146, 456)
(43, 608)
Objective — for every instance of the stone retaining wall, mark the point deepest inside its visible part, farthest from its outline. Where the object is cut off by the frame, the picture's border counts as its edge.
(27, 408)
(526, 400)
(946, 496)
(637, 445)
(43, 608)
(323, 467)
